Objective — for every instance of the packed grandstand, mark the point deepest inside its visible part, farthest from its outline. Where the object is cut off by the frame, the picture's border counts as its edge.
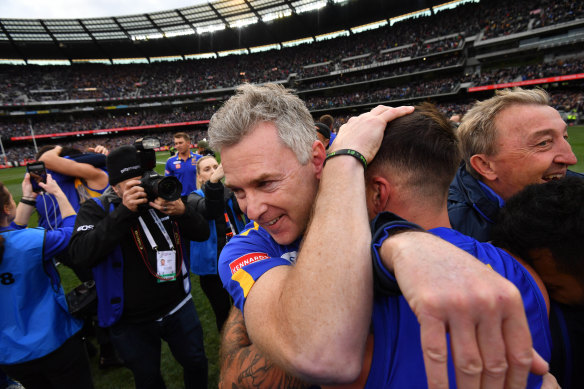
(451, 57)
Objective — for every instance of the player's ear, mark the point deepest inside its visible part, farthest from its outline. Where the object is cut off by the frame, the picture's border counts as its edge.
(482, 164)
(377, 195)
(318, 157)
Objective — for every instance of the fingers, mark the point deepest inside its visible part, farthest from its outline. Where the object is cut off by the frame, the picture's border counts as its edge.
(519, 348)
(549, 382)
(465, 353)
(161, 205)
(539, 365)
(99, 149)
(492, 346)
(394, 113)
(172, 208)
(134, 196)
(490, 338)
(50, 186)
(364, 133)
(435, 351)
(27, 187)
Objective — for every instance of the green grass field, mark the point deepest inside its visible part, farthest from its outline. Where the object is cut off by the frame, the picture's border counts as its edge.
(121, 378)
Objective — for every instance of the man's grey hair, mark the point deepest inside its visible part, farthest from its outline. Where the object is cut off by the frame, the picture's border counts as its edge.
(477, 131)
(252, 105)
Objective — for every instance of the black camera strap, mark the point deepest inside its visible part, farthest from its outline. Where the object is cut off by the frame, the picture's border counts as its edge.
(160, 226)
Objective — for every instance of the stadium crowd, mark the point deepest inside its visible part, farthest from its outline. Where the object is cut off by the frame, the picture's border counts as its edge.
(565, 101)
(425, 35)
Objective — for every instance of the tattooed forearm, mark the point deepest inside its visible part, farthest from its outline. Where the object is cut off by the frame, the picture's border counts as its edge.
(244, 366)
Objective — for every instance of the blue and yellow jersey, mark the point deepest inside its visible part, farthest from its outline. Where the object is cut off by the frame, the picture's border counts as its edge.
(85, 192)
(247, 256)
(184, 170)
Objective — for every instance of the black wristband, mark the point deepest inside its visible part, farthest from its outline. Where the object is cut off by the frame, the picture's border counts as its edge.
(385, 225)
(32, 203)
(350, 152)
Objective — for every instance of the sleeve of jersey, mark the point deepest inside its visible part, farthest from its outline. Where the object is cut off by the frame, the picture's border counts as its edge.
(533, 301)
(57, 240)
(168, 168)
(245, 258)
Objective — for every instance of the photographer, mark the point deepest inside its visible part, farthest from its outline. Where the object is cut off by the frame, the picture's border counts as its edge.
(137, 246)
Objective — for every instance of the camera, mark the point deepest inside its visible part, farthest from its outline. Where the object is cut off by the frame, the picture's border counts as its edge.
(155, 185)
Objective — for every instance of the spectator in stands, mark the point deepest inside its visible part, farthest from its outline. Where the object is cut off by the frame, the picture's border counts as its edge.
(275, 177)
(543, 224)
(218, 205)
(184, 165)
(124, 236)
(40, 344)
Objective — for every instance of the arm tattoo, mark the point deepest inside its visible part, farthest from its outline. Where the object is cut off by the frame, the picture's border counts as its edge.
(243, 366)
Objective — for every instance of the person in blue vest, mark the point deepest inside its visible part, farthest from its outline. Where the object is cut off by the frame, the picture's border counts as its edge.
(509, 141)
(218, 205)
(184, 164)
(40, 344)
(302, 273)
(137, 247)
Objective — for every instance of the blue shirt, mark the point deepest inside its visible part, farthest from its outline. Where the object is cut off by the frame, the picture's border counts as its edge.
(184, 170)
(397, 359)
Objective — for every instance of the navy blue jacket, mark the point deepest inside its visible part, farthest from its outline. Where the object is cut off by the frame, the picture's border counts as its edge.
(470, 210)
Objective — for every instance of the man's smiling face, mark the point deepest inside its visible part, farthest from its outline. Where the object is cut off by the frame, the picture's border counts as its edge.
(270, 184)
(532, 147)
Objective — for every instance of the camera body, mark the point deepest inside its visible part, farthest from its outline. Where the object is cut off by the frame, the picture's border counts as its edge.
(155, 185)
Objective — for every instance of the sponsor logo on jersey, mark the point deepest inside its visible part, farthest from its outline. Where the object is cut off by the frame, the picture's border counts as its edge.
(290, 256)
(86, 227)
(245, 260)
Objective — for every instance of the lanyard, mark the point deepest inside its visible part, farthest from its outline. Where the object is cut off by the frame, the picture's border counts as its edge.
(160, 226)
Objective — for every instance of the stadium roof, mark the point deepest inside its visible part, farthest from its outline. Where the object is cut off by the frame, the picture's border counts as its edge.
(204, 28)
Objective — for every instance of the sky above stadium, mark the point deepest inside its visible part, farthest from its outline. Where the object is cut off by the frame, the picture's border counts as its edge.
(78, 9)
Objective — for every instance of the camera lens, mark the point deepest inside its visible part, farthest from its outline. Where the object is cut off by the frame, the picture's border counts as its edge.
(169, 188)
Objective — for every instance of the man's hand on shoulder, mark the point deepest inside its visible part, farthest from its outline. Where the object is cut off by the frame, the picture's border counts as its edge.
(452, 292)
